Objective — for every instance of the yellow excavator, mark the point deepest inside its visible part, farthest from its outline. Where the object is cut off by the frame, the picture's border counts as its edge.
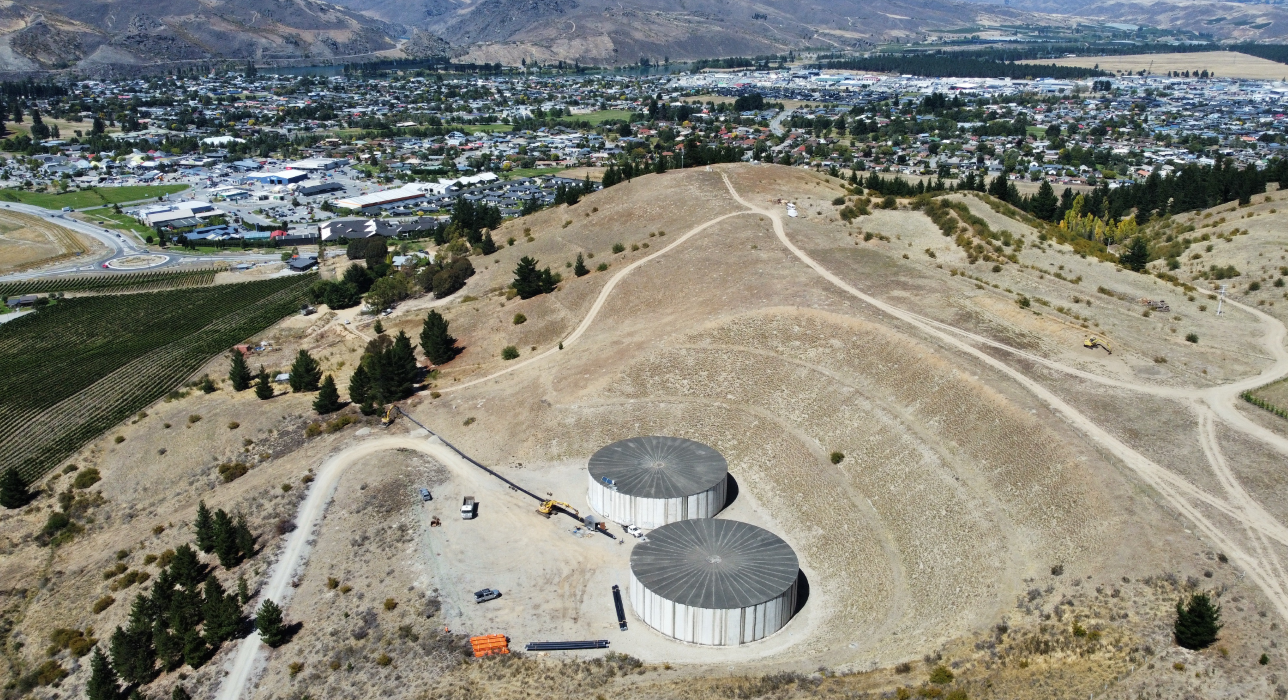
(547, 508)
(1096, 341)
(388, 418)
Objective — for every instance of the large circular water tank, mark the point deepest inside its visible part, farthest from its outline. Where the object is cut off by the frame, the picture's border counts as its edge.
(717, 582)
(652, 480)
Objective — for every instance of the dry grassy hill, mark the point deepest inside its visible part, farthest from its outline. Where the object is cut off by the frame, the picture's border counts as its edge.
(974, 522)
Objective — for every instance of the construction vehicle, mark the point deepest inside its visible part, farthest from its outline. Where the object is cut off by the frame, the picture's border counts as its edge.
(547, 508)
(388, 418)
(1096, 341)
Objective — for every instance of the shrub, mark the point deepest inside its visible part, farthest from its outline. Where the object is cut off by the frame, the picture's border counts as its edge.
(941, 675)
(601, 267)
(332, 583)
(194, 418)
(294, 668)
(231, 471)
(164, 560)
(618, 248)
(1192, 337)
(86, 478)
(119, 439)
(837, 457)
(1255, 286)
(102, 604)
(390, 603)
(510, 352)
(520, 319)
(233, 425)
(1263, 660)
(346, 588)
(383, 660)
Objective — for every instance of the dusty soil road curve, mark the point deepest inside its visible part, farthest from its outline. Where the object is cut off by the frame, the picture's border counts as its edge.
(293, 555)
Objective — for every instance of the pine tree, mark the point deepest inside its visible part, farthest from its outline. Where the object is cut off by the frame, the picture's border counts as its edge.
(1198, 622)
(402, 369)
(186, 567)
(133, 655)
(195, 649)
(440, 347)
(527, 279)
(269, 623)
(243, 590)
(103, 683)
(305, 373)
(169, 648)
(359, 384)
(579, 268)
(225, 540)
(239, 373)
(205, 529)
(1045, 203)
(243, 539)
(180, 694)
(328, 399)
(1136, 257)
(13, 490)
(263, 385)
(221, 612)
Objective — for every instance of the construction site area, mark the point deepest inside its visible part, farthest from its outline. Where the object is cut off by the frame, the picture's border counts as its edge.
(754, 455)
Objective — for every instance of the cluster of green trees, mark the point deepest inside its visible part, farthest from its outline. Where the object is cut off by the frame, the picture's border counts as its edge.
(530, 282)
(956, 64)
(306, 376)
(445, 276)
(185, 617)
(386, 373)
(439, 346)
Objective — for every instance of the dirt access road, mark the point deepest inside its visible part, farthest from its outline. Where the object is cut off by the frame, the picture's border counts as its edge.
(1257, 527)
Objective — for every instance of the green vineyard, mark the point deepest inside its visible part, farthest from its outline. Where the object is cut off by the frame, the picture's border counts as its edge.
(126, 282)
(76, 368)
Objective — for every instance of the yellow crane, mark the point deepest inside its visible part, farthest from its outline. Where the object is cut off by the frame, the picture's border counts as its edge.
(548, 507)
(1096, 341)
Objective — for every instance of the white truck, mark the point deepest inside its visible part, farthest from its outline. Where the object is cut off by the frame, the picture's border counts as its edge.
(469, 508)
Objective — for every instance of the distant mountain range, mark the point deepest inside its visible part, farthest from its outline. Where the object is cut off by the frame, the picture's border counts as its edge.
(116, 36)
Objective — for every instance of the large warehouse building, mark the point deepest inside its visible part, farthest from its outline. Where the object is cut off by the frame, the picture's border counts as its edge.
(716, 582)
(651, 481)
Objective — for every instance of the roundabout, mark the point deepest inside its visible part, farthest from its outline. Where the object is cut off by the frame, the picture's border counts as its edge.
(136, 262)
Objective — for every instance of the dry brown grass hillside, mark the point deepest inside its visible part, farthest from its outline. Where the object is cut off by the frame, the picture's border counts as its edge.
(975, 522)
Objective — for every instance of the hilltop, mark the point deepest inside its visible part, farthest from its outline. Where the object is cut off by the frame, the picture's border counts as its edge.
(1008, 503)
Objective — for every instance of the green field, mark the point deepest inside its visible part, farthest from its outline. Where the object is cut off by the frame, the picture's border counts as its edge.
(601, 116)
(534, 172)
(76, 368)
(93, 197)
(471, 128)
(110, 219)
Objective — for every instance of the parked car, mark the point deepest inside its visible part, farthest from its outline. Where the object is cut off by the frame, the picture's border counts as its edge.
(634, 531)
(486, 594)
(424, 495)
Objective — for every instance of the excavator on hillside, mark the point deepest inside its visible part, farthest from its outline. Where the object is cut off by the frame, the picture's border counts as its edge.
(547, 508)
(1096, 341)
(391, 412)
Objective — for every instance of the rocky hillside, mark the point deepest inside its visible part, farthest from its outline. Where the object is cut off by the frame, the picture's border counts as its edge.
(612, 32)
(114, 35)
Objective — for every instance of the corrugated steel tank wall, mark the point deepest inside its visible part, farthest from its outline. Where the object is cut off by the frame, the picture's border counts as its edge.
(712, 627)
(650, 513)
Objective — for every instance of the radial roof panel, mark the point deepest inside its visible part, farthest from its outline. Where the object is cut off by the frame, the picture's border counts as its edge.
(659, 467)
(715, 564)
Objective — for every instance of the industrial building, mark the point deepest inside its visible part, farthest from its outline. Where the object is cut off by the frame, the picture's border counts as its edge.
(714, 582)
(653, 480)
